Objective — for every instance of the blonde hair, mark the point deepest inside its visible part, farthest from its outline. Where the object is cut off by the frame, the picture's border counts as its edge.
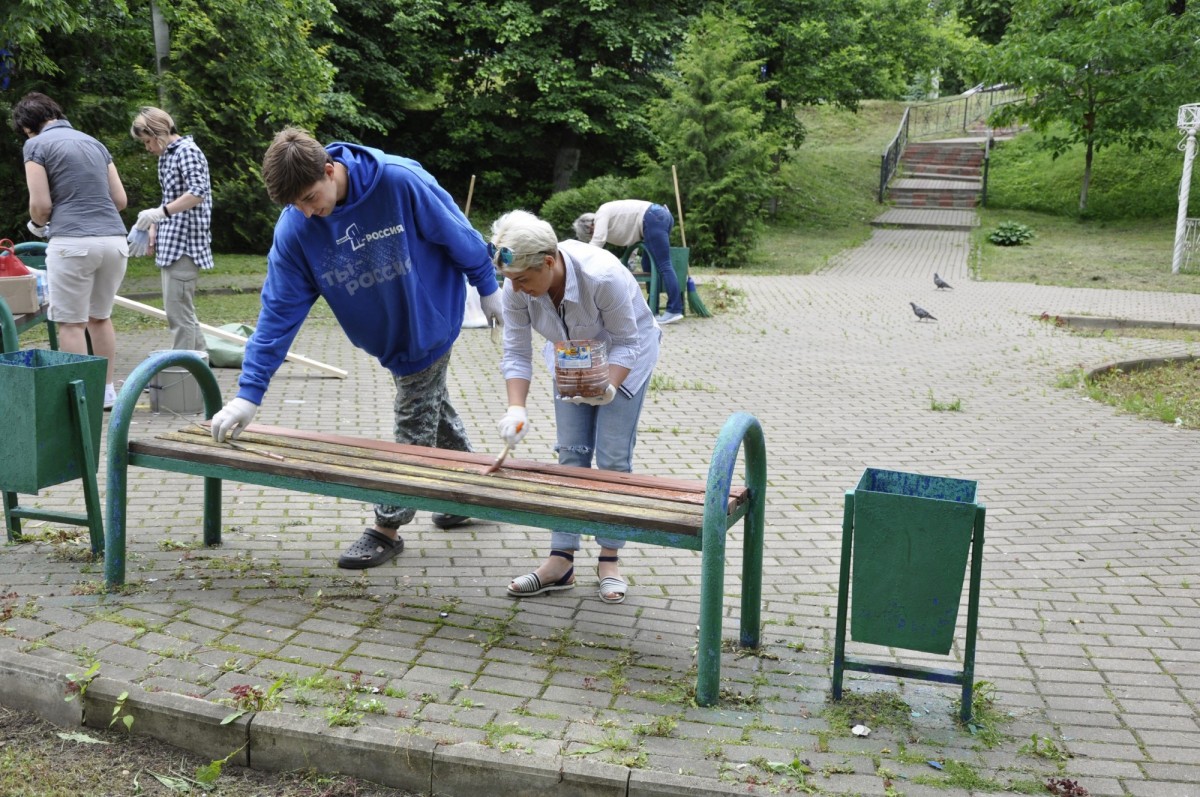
(527, 236)
(152, 122)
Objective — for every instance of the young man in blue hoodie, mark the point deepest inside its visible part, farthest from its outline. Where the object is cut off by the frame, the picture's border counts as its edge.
(386, 247)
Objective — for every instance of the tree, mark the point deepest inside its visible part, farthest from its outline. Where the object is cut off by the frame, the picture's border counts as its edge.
(1105, 71)
(387, 55)
(541, 89)
(238, 73)
(79, 54)
(712, 125)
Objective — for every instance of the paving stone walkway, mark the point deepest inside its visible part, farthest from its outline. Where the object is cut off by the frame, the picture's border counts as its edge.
(1090, 617)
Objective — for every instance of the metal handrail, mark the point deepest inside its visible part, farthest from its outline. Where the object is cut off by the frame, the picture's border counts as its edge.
(936, 117)
(890, 159)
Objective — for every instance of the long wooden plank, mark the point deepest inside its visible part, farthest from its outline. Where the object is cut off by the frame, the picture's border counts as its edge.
(593, 474)
(145, 309)
(553, 475)
(533, 489)
(548, 475)
(578, 507)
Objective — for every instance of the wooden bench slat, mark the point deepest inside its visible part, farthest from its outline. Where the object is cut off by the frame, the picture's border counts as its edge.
(421, 452)
(534, 489)
(673, 517)
(469, 464)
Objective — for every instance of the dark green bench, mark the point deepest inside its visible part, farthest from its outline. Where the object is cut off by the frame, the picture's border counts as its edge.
(675, 513)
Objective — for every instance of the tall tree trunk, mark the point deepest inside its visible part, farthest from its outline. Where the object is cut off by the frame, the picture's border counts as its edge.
(566, 162)
(162, 48)
(1087, 176)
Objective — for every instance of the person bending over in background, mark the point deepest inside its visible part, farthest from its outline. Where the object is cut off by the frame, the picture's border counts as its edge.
(627, 221)
(181, 227)
(569, 291)
(74, 184)
(386, 247)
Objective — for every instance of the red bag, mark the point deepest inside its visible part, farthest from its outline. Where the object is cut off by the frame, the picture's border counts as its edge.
(10, 264)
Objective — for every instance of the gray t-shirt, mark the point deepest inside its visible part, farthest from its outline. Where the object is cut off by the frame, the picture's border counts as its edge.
(77, 167)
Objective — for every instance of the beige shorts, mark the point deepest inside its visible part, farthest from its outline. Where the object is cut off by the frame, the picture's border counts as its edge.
(83, 275)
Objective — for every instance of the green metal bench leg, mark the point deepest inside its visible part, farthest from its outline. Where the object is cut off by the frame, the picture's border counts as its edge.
(741, 428)
(118, 456)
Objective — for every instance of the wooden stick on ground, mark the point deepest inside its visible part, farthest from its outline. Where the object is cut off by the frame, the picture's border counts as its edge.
(154, 312)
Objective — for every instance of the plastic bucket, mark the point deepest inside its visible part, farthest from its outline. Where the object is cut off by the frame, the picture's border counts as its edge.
(175, 390)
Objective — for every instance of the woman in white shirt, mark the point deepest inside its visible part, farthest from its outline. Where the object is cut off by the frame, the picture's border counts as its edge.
(570, 291)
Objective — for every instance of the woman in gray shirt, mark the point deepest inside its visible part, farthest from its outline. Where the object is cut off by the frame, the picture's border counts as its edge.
(74, 184)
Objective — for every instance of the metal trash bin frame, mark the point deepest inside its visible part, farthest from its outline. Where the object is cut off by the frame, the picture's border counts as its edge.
(43, 449)
(975, 514)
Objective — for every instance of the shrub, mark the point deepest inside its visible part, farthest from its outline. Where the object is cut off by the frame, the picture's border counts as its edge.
(1010, 233)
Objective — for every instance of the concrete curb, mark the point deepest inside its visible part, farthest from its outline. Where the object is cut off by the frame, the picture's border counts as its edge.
(278, 742)
(29, 683)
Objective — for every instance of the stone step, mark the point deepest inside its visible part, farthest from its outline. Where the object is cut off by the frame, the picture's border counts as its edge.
(927, 219)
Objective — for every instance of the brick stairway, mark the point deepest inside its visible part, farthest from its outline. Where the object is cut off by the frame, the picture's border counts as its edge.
(937, 187)
(938, 174)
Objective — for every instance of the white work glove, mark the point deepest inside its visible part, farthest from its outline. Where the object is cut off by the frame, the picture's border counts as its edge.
(40, 232)
(150, 216)
(139, 242)
(610, 393)
(493, 308)
(235, 417)
(514, 425)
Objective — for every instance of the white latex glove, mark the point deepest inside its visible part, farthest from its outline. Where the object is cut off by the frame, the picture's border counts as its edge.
(139, 242)
(514, 425)
(40, 232)
(610, 393)
(493, 308)
(231, 420)
(150, 216)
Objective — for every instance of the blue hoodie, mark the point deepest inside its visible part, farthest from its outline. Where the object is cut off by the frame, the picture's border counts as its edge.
(389, 261)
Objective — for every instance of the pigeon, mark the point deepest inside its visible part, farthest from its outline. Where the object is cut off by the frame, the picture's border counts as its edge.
(921, 312)
(941, 283)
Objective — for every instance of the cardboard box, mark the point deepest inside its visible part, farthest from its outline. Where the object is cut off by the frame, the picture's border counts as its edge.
(20, 293)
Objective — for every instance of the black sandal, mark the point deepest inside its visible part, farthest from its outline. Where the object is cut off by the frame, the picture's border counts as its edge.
(370, 550)
(529, 584)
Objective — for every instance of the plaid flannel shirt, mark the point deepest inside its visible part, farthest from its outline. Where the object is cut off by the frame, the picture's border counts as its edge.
(183, 169)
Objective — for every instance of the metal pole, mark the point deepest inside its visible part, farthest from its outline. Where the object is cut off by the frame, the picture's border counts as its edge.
(1185, 185)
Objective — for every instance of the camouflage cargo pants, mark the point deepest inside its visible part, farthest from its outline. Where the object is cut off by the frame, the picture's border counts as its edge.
(424, 417)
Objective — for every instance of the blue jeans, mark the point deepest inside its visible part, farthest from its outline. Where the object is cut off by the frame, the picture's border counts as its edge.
(606, 434)
(656, 233)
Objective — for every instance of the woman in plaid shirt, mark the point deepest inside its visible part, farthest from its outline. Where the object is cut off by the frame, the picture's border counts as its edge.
(181, 227)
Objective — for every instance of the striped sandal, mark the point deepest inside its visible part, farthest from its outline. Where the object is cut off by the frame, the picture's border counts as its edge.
(612, 588)
(528, 585)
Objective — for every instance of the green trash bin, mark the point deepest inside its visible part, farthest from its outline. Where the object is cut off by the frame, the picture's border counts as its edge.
(912, 534)
(906, 542)
(40, 442)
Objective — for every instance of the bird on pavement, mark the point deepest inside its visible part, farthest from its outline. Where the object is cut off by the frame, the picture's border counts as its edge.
(921, 312)
(941, 283)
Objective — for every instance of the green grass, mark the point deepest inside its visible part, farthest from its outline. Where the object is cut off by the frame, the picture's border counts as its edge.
(832, 180)
(1168, 393)
(1124, 255)
(1124, 185)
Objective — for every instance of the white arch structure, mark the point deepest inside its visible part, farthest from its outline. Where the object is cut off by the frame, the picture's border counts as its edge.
(1188, 124)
